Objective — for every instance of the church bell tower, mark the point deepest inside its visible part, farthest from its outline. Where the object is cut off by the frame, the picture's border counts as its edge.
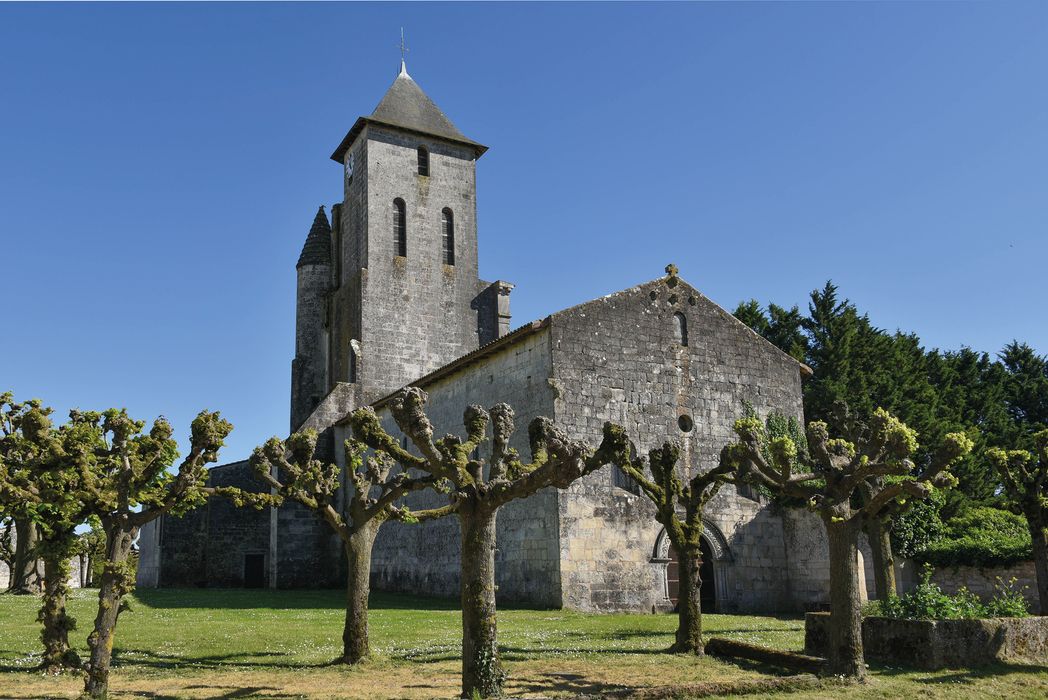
(403, 295)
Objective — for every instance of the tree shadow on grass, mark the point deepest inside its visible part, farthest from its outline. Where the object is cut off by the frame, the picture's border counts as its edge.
(754, 666)
(230, 693)
(302, 599)
(128, 658)
(512, 653)
(249, 692)
(754, 630)
(573, 683)
(20, 662)
(620, 634)
(299, 599)
(961, 675)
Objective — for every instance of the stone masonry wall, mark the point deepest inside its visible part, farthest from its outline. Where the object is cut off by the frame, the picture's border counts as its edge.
(148, 572)
(808, 563)
(980, 581)
(424, 558)
(416, 311)
(182, 561)
(622, 358)
(234, 533)
(207, 546)
(309, 368)
(350, 269)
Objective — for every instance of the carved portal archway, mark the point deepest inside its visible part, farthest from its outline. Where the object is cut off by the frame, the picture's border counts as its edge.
(717, 549)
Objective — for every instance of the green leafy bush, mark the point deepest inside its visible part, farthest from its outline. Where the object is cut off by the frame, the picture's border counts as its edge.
(928, 602)
(980, 537)
(919, 525)
(1009, 600)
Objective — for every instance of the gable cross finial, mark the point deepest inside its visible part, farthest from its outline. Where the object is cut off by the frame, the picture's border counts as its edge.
(672, 270)
(403, 51)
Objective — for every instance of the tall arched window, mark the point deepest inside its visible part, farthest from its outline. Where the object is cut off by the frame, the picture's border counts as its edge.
(681, 328)
(423, 161)
(351, 370)
(400, 228)
(447, 236)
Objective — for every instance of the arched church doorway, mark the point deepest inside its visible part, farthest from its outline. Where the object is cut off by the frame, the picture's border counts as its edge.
(708, 592)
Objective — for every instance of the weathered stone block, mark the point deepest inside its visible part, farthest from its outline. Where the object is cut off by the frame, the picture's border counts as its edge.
(935, 644)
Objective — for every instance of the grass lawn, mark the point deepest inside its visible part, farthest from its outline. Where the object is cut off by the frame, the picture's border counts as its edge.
(278, 644)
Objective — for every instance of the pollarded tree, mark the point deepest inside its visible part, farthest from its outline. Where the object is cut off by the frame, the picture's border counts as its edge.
(289, 467)
(24, 575)
(1025, 477)
(838, 470)
(130, 470)
(41, 481)
(555, 461)
(679, 506)
(877, 528)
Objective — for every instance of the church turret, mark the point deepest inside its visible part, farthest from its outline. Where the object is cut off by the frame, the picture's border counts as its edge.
(309, 382)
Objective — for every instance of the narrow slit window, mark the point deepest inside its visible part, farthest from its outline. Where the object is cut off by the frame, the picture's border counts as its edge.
(681, 328)
(447, 236)
(351, 373)
(400, 228)
(423, 161)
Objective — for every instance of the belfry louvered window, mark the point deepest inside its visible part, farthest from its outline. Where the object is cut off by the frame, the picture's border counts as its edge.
(400, 228)
(423, 161)
(447, 236)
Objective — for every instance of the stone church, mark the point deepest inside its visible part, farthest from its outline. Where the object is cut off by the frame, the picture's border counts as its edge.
(388, 295)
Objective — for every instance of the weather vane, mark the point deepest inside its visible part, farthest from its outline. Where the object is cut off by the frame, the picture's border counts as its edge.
(403, 51)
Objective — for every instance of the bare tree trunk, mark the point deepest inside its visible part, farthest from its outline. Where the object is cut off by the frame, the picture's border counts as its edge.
(25, 575)
(482, 671)
(115, 583)
(82, 558)
(355, 645)
(883, 558)
(1039, 537)
(845, 649)
(57, 654)
(7, 550)
(689, 605)
(90, 570)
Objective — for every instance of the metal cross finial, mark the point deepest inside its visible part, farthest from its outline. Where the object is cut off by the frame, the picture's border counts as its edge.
(403, 50)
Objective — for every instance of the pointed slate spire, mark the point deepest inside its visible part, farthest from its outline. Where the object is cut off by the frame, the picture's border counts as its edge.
(317, 249)
(405, 106)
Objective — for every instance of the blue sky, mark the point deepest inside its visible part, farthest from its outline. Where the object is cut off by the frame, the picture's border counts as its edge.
(160, 166)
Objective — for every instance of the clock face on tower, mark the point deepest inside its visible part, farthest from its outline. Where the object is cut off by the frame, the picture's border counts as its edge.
(349, 166)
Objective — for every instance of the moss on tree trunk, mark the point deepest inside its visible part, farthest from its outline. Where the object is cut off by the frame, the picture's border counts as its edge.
(845, 655)
(879, 535)
(58, 656)
(1039, 540)
(482, 671)
(355, 644)
(25, 576)
(689, 606)
(115, 583)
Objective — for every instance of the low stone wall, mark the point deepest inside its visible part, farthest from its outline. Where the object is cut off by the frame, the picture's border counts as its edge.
(934, 644)
(982, 582)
